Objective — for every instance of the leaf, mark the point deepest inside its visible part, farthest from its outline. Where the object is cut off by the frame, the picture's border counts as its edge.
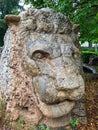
(42, 127)
(47, 128)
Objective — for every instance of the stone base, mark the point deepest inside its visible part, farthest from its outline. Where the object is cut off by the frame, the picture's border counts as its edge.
(79, 112)
(56, 122)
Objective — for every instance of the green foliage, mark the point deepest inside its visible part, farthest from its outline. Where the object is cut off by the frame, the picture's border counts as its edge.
(7, 121)
(86, 16)
(2, 109)
(43, 127)
(3, 28)
(83, 12)
(88, 49)
(19, 124)
(4, 117)
(21, 120)
(15, 11)
(73, 123)
(7, 7)
(87, 54)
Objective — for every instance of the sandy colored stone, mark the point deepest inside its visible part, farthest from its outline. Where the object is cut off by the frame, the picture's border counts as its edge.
(40, 68)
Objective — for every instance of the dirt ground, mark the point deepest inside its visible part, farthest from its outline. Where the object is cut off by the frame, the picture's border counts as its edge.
(91, 95)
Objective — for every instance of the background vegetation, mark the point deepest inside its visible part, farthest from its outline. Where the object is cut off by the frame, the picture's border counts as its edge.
(7, 7)
(83, 12)
(86, 55)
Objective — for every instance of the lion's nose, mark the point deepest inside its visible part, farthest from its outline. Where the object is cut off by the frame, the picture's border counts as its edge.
(67, 83)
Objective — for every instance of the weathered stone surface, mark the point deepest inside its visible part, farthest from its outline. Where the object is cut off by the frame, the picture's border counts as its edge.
(79, 111)
(41, 68)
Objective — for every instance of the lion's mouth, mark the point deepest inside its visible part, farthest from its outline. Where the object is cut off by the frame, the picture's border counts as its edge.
(57, 109)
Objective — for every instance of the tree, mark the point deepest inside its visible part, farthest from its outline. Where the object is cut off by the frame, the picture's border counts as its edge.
(7, 7)
(83, 12)
(3, 28)
(86, 13)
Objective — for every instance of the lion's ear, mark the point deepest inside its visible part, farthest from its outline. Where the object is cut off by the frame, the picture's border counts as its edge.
(12, 19)
(76, 28)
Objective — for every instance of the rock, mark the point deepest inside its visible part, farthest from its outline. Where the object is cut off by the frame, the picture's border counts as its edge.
(41, 72)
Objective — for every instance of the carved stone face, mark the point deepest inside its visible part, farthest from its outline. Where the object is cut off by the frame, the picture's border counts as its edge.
(40, 67)
(56, 77)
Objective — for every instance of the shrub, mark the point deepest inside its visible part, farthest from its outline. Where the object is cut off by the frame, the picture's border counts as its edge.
(88, 49)
(87, 54)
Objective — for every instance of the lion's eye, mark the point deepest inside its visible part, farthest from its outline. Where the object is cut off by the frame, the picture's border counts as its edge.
(39, 54)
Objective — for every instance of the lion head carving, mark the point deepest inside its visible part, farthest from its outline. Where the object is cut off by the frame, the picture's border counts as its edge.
(41, 68)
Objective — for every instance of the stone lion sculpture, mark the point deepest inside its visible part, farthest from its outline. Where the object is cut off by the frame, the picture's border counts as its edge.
(40, 69)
